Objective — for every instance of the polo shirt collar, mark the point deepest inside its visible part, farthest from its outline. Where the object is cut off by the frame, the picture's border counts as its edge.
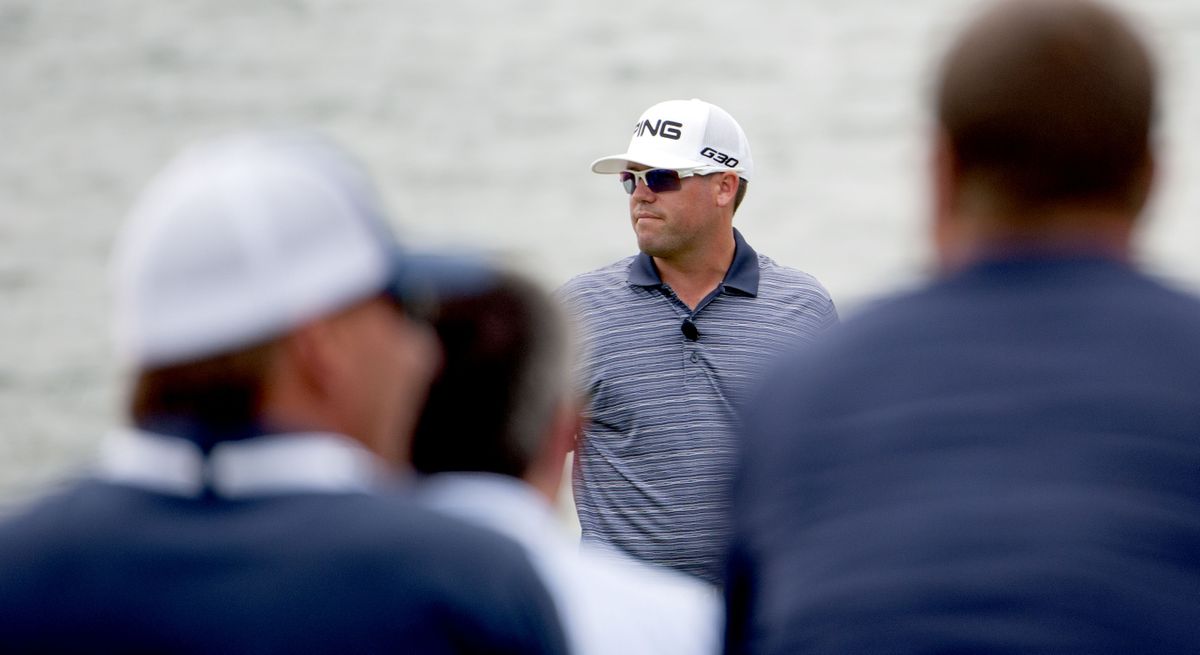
(312, 462)
(742, 275)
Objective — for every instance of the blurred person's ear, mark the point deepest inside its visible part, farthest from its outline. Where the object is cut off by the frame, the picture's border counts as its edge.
(299, 388)
(1143, 185)
(546, 472)
(945, 190)
(307, 351)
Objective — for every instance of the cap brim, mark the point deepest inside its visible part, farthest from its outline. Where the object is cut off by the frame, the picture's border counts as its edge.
(617, 163)
(422, 281)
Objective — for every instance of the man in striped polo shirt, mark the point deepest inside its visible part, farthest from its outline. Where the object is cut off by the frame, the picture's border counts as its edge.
(673, 336)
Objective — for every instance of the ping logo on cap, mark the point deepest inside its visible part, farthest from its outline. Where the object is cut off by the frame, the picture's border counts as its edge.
(665, 129)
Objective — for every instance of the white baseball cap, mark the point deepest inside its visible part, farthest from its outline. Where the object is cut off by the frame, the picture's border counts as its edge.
(241, 239)
(683, 134)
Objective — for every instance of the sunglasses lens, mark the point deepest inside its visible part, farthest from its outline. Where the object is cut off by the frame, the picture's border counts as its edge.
(628, 181)
(662, 179)
(658, 180)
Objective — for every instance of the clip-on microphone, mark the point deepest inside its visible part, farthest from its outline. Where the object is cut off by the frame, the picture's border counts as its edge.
(689, 330)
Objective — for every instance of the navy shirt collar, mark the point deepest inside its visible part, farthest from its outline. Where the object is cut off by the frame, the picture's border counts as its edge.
(742, 275)
(205, 437)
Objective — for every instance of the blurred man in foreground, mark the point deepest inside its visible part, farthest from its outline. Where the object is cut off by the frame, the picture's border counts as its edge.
(251, 506)
(1005, 461)
(500, 420)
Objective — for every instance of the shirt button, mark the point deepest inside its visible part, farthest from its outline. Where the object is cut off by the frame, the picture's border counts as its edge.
(695, 358)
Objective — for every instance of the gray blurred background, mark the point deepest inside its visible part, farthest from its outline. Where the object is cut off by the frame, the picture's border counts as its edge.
(478, 120)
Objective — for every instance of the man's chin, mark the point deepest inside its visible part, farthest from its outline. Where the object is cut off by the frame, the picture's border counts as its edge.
(653, 248)
(649, 241)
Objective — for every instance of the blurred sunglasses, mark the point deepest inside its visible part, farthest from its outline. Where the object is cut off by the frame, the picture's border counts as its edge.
(660, 180)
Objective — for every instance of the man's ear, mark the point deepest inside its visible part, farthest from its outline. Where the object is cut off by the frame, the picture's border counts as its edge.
(309, 352)
(545, 473)
(1144, 182)
(726, 189)
(944, 182)
(567, 426)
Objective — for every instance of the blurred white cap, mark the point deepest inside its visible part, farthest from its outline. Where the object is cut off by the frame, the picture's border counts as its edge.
(241, 239)
(683, 134)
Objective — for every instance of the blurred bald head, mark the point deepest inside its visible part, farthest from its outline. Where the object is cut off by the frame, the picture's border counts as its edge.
(1045, 104)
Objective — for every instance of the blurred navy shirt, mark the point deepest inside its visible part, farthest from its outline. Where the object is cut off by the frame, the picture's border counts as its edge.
(1006, 461)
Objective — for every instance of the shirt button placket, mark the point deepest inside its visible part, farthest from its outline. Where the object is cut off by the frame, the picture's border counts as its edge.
(693, 365)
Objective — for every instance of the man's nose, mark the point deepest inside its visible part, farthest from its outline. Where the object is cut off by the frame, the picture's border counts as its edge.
(642, 192)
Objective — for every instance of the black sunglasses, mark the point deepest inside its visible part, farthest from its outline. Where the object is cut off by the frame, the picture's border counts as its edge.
(658, 180)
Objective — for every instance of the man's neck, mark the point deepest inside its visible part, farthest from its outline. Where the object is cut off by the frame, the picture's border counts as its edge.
(1090, 232)
(693, 276)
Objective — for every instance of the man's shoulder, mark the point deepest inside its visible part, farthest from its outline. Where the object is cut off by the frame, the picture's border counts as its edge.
(793, 297)
(654, 607)
(397, 528)
(611, 278)
(62, 510)
(630, 574)
(981, 312)
(496, 502)
(89, 513)
(480, 574)
(381, 550)
(777, 278)
(1176, 304)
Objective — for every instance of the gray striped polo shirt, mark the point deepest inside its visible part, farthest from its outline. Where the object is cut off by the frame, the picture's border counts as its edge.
(654, 464)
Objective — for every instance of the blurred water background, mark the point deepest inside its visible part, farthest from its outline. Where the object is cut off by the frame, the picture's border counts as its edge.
(478, 120)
